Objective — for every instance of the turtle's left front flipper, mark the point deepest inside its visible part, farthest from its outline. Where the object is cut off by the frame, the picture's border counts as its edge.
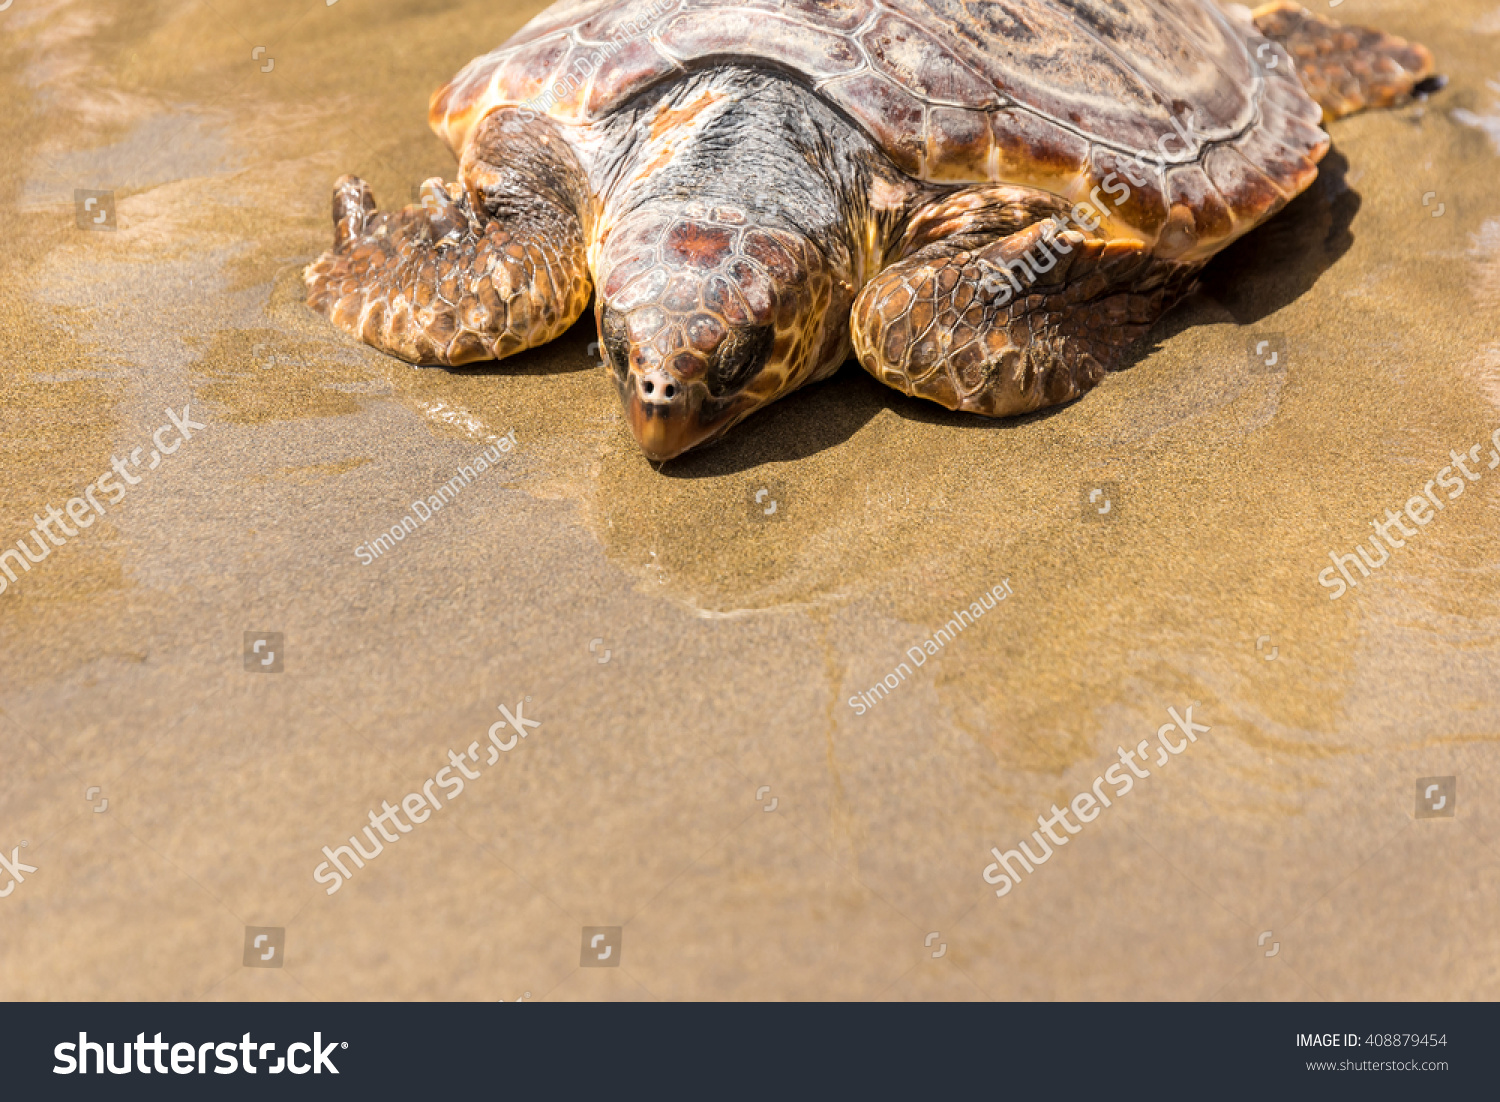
(1030, 320)
(1345, 68)
(477, 271)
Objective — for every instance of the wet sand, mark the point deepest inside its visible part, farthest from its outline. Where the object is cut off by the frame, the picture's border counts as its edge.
(733, 640)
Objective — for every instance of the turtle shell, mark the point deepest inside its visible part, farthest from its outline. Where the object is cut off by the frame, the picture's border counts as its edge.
(1194, 125)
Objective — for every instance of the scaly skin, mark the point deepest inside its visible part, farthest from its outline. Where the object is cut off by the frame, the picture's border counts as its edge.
(478, 272)
(1345, 68)
(707, 317)
(725, 268)
(949, 324)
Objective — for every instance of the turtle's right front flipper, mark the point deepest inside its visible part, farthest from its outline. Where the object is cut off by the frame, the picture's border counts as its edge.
(477, 272)
(1345, 68)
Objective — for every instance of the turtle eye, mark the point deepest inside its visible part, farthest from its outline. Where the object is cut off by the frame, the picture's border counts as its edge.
(738, 359)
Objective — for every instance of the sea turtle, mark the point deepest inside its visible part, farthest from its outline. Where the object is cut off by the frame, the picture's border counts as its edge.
(988, 200)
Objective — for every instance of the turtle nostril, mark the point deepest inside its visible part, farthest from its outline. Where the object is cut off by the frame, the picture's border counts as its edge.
(662, 390)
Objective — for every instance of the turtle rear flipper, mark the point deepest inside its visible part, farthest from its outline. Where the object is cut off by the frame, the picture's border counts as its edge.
(475, 272)
(1345, 68)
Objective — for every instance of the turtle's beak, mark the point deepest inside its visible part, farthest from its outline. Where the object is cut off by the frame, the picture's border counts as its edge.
(669, 415)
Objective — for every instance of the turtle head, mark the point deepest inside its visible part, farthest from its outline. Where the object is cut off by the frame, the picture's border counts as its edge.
(708, 312)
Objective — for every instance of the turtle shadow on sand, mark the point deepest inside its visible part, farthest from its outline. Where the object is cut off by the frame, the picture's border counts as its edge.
(574, 351)
(1279, 261)
(823, 416)
(805, 422)
(1274, 264)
